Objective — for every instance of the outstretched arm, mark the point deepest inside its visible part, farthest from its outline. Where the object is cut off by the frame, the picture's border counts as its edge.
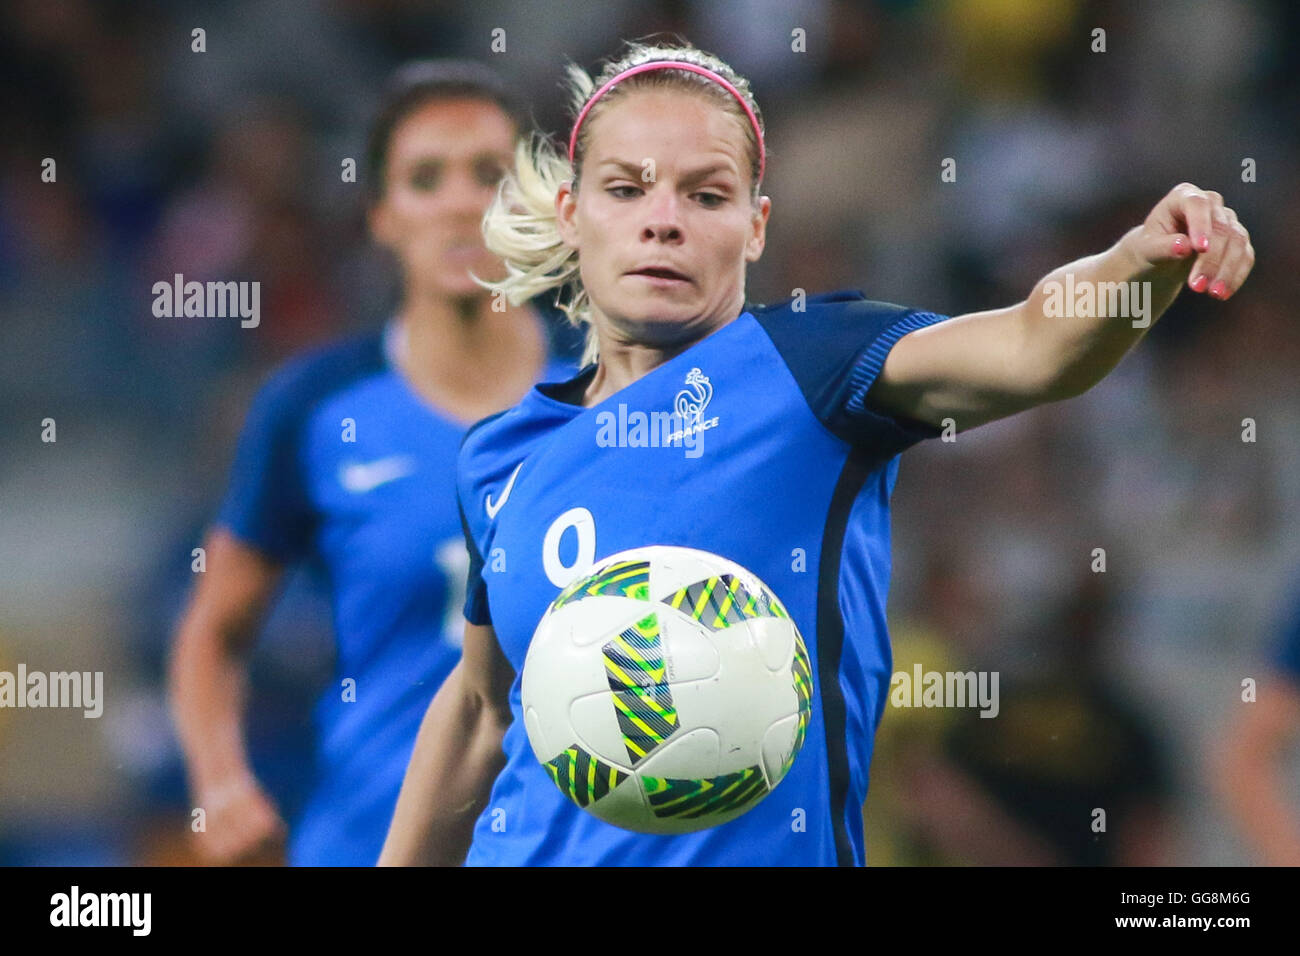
(1076, 325)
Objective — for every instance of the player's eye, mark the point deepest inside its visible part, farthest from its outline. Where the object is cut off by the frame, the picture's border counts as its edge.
(710, 200)
(488, 172)
(426, 175)
(623, 192)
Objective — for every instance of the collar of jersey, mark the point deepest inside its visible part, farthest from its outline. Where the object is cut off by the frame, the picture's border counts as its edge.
(543, 392)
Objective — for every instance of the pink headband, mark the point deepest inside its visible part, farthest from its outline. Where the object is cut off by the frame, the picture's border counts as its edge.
(675, 65)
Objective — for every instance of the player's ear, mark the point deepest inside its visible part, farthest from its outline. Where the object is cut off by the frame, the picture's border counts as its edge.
(566, 213)
(757, 240)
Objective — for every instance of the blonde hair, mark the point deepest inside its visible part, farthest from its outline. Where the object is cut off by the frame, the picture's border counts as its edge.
(520, 224)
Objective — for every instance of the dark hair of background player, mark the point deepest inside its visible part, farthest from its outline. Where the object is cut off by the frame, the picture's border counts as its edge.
(417, 83)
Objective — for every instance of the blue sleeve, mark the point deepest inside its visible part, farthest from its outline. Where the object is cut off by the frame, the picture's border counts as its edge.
(266, 503)
(476, 598)
(835, 348)
(469, 465)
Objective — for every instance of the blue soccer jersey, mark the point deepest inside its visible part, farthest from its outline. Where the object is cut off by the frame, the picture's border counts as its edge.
(791, 478)
(343, 464)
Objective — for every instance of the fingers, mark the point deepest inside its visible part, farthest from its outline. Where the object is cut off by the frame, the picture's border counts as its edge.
(1153, 246)
(1237, 260)
(1197, 208)
(247, 842)
(242, 824)
(266, 849)
(1193, 225)
(1217, 271)
(1181, 225)
(1213, 249)
(259, 832)
(1224, 254)
(1231, 269)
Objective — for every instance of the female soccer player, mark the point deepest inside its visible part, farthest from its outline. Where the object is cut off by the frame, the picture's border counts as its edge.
(348, 459)
(802, 409)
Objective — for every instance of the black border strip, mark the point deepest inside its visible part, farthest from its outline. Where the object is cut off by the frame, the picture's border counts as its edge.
(830, 640)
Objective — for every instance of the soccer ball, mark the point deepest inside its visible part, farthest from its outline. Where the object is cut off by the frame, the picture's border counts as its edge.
(667, 690)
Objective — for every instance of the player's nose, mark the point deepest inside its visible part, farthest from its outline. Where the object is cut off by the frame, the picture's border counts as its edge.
(464, 194)
(663, 222)
(662, 232)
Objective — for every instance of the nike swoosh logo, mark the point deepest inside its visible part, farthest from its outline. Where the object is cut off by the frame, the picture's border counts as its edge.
(492, 509)
(367, 476)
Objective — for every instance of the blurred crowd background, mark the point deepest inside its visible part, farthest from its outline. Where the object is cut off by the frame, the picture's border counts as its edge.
(226, 164)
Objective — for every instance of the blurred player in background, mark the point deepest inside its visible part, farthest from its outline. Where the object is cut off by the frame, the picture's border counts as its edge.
(651, 221)
(1250, 760)
(347, 461)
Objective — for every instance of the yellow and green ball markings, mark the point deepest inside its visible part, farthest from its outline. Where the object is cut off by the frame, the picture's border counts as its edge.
(801, 668)
(623, 579)
(643, 700)
(723, 600)
(582, 777)
(696, 798)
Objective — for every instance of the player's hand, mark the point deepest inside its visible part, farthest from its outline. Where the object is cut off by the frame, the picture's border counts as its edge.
(1193, 234)
(242, 825)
